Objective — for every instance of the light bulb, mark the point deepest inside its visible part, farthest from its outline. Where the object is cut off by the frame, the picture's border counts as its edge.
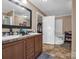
(16, 0)
(44, 0)
(24, 1)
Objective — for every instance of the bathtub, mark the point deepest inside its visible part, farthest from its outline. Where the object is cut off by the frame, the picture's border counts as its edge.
(59, 39)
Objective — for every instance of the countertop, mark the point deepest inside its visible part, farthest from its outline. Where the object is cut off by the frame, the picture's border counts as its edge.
(9, 39)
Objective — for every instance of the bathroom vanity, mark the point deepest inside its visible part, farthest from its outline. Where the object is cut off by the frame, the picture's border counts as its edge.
(16, 46)
(22, 47)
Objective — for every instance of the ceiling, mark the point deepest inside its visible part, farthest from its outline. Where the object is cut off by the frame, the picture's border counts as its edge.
(54, 7)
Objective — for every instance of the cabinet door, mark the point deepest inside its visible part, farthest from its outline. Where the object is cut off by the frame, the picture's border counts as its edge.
(30, 42)
(38, 45)
(19, 50)
(14, 50)
(29, 48)
(7, 52)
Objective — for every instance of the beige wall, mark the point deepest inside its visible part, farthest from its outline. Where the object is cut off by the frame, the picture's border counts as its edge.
(67, 26)
(34, 15)
(67, 22)
(10, 13)
(73, 29)
(34, 20)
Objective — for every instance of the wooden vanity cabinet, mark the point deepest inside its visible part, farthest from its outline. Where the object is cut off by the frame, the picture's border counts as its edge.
(38, 45)
(13, 50)
(19, 50)
(7, 51)
(33, 47)
(27, 48)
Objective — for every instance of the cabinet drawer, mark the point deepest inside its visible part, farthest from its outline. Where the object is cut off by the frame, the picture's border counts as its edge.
(29, 47)
(30, 43)
(29, 51)
(12, 43)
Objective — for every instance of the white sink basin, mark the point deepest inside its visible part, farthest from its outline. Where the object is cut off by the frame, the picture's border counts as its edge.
(33, 33)
(4, 38)
(10, 37)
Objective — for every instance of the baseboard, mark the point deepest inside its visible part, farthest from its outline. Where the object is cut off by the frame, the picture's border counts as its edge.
(48, 43)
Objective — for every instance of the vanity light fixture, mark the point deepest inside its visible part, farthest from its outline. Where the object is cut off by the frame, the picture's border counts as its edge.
(16, 0)
(21, 1)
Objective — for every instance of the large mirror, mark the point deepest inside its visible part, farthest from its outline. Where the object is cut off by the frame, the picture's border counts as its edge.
(16, 15)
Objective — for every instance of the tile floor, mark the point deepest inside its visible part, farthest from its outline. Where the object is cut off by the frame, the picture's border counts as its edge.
(58, 51)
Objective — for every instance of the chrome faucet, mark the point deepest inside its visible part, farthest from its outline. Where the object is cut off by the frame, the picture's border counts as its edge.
(11, 31)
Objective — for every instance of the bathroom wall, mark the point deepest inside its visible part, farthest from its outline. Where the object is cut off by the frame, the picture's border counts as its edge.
(49, 30)
(73, 29)
(58, 26)
(19, 19)
(34, 20)
(10, 13)
(67, 22)
(34, 11)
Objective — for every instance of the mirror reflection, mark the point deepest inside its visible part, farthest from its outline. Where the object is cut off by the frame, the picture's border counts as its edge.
(14, 14)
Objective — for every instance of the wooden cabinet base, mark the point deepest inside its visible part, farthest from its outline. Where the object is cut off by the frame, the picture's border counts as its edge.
(38, 45)
(29, 48)
(14, 50)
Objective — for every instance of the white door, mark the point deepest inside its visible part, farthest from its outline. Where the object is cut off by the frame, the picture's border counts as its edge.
(49, 29)
(59, 24)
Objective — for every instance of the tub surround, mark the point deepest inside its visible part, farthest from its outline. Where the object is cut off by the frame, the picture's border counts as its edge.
(50, 35)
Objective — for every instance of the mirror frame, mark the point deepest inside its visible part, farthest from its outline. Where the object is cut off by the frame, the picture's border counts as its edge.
(15, 26)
